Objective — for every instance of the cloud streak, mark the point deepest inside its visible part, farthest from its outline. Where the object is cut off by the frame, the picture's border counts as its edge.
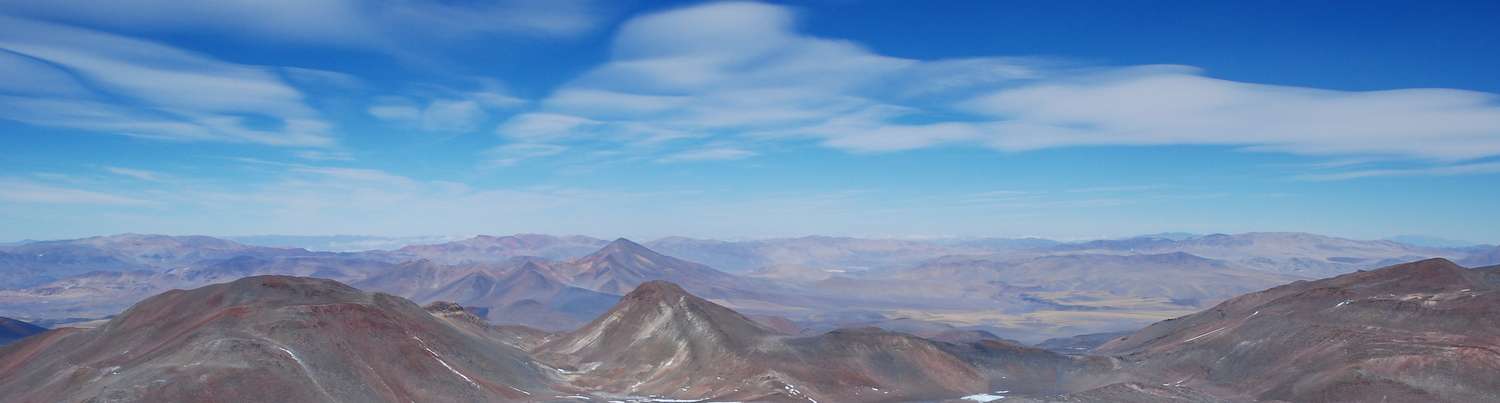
(103, 82)
(380, 25)
(22, 191)
(738, 74)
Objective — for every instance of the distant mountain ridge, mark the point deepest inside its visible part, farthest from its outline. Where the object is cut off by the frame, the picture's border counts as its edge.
(1300, 254)
(1488, 257)
(40, 262)
(1028, 294)
(1419, 332)
(1429, 241)
(835, 253)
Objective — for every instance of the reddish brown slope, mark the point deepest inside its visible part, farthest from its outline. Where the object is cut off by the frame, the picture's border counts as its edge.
(269, 338)
(661, 340)
(1426, 331)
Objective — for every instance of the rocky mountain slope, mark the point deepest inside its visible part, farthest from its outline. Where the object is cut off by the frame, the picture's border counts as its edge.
(1425, 331)
(270, 338)
(668, 342)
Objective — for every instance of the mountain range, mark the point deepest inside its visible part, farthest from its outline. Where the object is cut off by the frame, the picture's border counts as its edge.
(558, 284)
(1415, 332)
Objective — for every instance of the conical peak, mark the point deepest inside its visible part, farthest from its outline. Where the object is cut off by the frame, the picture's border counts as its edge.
(625, 245)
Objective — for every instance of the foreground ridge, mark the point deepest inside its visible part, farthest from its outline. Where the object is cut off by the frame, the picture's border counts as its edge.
(269, 338)
(1425, 331)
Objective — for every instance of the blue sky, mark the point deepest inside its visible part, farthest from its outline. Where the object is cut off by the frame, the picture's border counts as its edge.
(1066, 120)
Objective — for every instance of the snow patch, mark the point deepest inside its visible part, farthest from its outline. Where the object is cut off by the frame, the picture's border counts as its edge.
(986, 397)
(1205, 334)
(450, 368)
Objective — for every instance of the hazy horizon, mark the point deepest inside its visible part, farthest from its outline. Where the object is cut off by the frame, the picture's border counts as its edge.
(358, 243)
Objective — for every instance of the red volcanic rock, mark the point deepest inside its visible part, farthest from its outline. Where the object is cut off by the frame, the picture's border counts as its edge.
(270, 338)
(1426, 331)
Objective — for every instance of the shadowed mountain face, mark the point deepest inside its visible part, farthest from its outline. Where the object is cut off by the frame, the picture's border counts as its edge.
(621, 265)
(1425, 331)
(12, 330)
(1488, 257)
(667, 342)
(270, 338)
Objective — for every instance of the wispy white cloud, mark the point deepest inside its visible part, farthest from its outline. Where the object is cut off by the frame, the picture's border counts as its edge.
(134, 173)
(1173, 105)
(380, 25)
(1446, 170)
(447, 111)
(1118, 188)
(323, 155)
(712, 154)
(512, 154)
(739, 74)
(102, 82)
(22, 191)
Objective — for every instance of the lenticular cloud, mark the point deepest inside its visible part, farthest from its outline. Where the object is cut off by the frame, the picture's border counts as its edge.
(748, 77)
